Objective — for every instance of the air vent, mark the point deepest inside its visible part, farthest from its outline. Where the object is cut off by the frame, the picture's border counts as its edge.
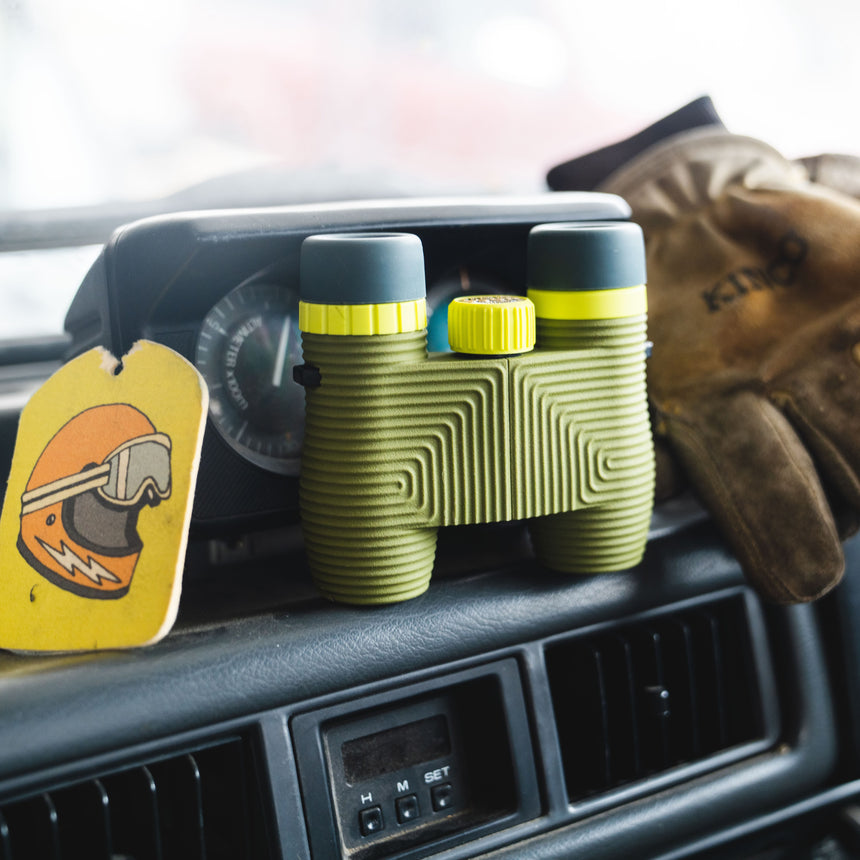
(642, 698)
(200, 805)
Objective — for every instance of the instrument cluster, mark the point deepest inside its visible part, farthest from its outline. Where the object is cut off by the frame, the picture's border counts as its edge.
(221, 288)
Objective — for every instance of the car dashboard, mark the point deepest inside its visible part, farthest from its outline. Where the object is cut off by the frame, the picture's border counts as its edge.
(508, 712)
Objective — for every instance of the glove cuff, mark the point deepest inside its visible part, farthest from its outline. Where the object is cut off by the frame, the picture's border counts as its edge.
(841, 172)
(587, 172)
(688, 171)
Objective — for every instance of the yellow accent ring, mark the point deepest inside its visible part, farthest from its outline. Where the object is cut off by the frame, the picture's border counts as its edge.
(386, 318)
(491, 325)
(590, 304)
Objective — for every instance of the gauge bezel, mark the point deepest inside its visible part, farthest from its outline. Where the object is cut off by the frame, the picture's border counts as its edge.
(211, 340)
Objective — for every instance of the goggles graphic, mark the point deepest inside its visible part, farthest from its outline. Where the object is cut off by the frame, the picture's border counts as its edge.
(135, 468)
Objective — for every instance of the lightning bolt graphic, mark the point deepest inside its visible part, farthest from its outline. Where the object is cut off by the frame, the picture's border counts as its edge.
(70, 562)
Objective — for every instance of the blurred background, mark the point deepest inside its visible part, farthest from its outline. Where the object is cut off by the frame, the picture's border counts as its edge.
(107, 103)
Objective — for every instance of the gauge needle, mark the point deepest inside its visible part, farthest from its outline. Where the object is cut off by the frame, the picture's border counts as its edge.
(278, 375)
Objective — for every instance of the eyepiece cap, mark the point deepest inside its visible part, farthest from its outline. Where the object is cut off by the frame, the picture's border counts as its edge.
(362, 268)
(597, 256)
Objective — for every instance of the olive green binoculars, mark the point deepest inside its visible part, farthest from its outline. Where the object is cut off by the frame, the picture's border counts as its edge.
(540, 413)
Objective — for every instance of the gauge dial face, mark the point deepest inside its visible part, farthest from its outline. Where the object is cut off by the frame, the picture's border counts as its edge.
(246, 350)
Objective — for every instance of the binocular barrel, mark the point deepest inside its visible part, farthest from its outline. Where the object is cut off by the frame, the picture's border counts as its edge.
(398, 443)
(588, 286)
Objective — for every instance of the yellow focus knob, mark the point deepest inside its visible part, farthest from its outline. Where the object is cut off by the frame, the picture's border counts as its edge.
(491, 325)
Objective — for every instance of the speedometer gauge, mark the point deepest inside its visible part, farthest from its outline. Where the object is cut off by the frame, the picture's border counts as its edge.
(246, 350)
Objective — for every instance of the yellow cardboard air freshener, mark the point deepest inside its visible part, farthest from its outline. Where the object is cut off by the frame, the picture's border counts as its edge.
(97, 508)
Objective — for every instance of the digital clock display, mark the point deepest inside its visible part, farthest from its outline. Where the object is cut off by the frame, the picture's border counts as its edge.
(395, 749)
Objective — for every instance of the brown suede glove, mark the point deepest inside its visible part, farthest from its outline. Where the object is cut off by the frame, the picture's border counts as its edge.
(754, 311)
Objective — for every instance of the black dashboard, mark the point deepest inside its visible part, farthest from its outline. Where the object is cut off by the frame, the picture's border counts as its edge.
(508, 712)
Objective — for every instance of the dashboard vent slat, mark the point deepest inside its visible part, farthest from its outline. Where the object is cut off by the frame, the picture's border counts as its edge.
(201, 805)
(681, 668)
(642, 698)
(180, 807)
(5, 846)
(32, 828)
(652, 696)
(622, 709)
(83, 821)
(711, 673)
(134, 814)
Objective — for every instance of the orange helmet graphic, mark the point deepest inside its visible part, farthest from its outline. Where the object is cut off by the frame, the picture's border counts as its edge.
(80, 508)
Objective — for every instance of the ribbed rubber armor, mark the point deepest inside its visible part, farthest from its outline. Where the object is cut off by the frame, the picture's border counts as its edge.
(398, 444)
(610, 530)
(356, 550)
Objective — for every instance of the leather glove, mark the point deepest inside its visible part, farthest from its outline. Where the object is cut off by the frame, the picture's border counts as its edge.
(754, 311)
(838, 171)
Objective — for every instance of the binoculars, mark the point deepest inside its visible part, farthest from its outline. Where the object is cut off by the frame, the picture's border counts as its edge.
(539, 414)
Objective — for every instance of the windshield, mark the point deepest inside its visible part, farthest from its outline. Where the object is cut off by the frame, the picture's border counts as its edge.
(107, 106)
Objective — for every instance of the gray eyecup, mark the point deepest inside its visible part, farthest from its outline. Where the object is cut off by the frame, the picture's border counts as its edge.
(593, 256)
(362, 269)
